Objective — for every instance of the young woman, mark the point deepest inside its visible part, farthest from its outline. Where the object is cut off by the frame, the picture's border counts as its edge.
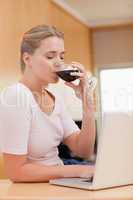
(34, 120)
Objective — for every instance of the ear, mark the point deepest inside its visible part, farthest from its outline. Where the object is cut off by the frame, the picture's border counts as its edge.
(27, 59)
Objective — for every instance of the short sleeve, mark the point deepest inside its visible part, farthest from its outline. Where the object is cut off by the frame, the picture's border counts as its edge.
(15, 120)
(69, 126)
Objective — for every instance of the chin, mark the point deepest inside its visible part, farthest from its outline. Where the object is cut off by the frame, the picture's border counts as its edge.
(55, 80)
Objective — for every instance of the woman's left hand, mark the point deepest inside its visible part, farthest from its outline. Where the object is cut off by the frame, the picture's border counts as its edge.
(83, 76)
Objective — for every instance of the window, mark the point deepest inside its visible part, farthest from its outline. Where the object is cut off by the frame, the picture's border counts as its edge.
(116, 90)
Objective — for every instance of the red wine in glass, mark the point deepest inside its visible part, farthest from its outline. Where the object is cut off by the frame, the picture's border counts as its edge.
(66, 74)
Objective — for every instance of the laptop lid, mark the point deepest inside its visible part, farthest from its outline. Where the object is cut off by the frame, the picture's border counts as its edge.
(114, 162)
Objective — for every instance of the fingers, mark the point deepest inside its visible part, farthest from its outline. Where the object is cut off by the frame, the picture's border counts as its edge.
(77, 74)
(82, 72)
(87, 172)
(78, 66)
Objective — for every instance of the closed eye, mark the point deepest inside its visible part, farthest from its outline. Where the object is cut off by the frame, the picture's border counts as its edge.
(49, 57)
(52, 54)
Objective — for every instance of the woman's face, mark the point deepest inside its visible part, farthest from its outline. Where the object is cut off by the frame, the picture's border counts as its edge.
(42, 62)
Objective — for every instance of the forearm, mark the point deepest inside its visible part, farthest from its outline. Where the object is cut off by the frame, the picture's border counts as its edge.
(86, 138)
(39, 173)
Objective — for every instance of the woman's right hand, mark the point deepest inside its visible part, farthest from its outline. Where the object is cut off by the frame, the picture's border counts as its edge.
(86, 171)
(77, 171)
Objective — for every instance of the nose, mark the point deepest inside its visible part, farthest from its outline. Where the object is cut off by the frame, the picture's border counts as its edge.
(58, 57)
(58, 64)
(58, 60)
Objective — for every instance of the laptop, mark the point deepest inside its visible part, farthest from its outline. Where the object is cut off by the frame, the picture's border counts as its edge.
(114, 160)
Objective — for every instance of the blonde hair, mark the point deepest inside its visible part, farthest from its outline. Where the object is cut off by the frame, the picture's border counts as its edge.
(32, 39)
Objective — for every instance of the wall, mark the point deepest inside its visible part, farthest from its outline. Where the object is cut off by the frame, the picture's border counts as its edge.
(17, 16)
(112, 45)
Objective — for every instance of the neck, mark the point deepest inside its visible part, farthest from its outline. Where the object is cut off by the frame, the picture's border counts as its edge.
(36, 86)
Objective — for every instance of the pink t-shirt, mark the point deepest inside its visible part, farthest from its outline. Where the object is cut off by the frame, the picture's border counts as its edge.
(25, 129)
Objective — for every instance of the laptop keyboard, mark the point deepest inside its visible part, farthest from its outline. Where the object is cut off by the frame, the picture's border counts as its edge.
(89, 180)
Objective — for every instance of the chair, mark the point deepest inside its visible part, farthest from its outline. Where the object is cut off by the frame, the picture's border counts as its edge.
(67, 157)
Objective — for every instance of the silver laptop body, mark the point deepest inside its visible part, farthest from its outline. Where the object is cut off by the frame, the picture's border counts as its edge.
(114, 161)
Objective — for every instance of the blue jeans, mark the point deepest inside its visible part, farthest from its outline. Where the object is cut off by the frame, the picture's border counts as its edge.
(72, 161)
